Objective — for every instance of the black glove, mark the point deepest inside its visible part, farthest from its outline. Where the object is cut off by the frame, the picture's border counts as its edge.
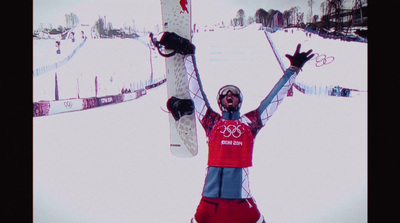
(180, 107)
(299, 59)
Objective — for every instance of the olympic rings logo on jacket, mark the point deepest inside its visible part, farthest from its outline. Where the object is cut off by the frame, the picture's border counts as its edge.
(232, 130)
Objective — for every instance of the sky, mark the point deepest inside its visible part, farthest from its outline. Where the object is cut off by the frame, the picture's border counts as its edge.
(148, 13)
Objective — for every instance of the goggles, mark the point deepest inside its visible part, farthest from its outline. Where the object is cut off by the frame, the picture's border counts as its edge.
(225, 90)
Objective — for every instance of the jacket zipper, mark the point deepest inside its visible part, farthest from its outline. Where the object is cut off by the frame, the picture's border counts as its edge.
(220, 182)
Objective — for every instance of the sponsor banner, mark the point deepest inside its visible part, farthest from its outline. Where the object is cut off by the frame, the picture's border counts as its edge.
(41, 108)
(105, 100)
(140, 92)
(89, 103)
(65, 106)
(134, 95)
(129, 96)
(119, 98)
(156, 84)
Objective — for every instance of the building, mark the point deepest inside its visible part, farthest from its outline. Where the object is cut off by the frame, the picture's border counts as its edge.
(278, 20)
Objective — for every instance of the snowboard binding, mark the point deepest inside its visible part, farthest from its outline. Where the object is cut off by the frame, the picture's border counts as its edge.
(180, 107)
(172, 41)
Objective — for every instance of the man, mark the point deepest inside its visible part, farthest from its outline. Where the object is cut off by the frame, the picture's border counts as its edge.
(226, 194)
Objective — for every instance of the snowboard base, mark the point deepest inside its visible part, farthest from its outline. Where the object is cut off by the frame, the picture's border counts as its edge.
(176, 16)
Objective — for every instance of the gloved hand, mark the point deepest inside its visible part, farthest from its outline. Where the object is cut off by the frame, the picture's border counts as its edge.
(299, 59)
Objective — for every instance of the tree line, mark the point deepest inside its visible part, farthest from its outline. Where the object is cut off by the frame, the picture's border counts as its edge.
(334, 14)
(108, 31)
(104, 30)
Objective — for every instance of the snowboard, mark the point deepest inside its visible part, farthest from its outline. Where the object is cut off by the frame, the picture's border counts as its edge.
(176, 17)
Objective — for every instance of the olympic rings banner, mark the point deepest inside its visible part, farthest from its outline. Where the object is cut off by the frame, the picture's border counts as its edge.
(65, 106)
(44, 108)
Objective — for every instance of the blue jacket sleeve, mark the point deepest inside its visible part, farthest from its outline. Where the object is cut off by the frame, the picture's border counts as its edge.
(270, 104)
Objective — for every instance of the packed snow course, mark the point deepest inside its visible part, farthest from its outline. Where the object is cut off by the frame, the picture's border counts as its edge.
(81, 81)
(112, 163)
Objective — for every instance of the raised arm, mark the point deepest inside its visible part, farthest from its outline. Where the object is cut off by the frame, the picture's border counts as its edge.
(270, 104)
(204, 112)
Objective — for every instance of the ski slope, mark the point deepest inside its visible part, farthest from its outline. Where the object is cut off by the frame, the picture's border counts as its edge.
(117, 64)
(112, 163)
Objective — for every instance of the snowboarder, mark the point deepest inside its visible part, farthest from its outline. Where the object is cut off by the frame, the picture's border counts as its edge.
(226, 194)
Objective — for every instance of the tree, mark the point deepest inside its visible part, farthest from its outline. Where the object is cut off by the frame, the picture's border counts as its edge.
(325, 14)
(286, 17)
(261, 16)
(310, 4)
(110, 26)
(270, 17)
(358, 10)
(99, 26)
(294, 15)
(300, 20)
(250, 19)
(240, 17)
(333, 10)
(323, 7)
(71, 20)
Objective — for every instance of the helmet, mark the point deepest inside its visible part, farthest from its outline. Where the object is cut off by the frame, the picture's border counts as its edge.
(224, 91)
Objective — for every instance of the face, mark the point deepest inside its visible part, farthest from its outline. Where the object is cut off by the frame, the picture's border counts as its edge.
(230, 101)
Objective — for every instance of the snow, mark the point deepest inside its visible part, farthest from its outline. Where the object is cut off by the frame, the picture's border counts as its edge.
(112, 164)
(97, 57)
(348, 69)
